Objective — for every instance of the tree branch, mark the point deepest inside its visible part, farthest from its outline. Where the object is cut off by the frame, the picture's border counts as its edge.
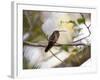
(44, 45)
(86, 27)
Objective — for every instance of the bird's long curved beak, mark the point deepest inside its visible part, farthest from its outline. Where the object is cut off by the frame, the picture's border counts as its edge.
(62, 31)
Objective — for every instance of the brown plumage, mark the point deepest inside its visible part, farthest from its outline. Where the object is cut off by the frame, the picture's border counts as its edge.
(52, 40)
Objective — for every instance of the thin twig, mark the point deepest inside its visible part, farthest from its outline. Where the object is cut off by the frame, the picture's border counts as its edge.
(57, 57)
(87, 28)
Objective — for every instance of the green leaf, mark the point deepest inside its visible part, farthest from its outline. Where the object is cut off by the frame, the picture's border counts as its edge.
(75, 50)
(64, 47)
(81, 20)
(73, 22)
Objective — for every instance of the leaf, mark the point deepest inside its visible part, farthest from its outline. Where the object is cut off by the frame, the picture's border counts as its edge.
(64, 47)
(79, 29)
(75, 50)
(81, 20)
(73, 22)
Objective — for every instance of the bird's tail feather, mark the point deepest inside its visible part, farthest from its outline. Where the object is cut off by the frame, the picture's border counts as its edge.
(48, 47)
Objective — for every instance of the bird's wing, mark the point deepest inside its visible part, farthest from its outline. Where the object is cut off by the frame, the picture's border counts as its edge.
(54, 37)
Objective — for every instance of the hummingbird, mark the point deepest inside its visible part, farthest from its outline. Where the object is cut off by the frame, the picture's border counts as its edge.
(52, 40)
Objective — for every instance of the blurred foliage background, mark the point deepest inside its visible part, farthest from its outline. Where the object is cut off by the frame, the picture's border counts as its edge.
(32, 32)
(32, 25)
